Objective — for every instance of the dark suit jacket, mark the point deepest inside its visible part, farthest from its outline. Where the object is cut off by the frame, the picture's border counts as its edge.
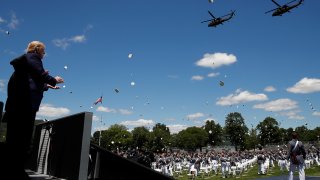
(27, 83)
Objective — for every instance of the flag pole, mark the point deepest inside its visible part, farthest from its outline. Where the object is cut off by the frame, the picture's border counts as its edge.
(100, 130)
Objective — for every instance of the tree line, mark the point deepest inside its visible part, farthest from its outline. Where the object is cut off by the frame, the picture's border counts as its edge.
(235, 132)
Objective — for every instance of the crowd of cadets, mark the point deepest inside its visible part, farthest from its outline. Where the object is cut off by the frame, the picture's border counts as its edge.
(271, 156)
(280, 156)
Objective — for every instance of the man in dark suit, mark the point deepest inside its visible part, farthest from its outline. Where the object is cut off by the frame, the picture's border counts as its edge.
(25, 92)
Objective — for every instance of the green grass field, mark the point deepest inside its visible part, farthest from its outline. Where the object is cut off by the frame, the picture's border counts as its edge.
(252, 173)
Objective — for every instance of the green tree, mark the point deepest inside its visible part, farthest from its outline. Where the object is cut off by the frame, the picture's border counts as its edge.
(289, 133)
(192, 138)
(284, 136)
(95, 137)
(236, 129)
(311, 136)
(159, 138)
(116, 137)
(302, 132)
(214, 131)
(315, 135)
(252, 139)
(269, 131)
(174, 142)
(140, 137)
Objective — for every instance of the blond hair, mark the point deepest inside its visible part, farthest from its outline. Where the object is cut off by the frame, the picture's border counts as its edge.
(34, 46)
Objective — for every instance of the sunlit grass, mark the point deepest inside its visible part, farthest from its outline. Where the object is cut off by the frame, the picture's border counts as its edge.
(252, 173)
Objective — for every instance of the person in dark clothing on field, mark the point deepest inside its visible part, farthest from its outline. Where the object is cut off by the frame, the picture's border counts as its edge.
(25, 92)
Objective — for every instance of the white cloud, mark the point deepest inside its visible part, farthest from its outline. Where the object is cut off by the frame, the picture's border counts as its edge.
(14, 22)
(78, 39)
(298, 117)
(292, 114)
(316, 113)
(2, 20)
(61, 43)
(106, 109)
(138, 123)
(197, 78)
(305, 86)
(277, 105)
(240, 97)
(48, 110)
(197, 122)
(65, 42)
(111, 110)
(213, 74)
(194, 116)
(216, 60)
(176, 128)
(125, 111)
(95, 118)
(270, 89)
(2, 85)
(100, 128)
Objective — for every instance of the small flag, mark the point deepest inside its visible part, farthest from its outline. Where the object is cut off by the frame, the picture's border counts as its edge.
(99, 100)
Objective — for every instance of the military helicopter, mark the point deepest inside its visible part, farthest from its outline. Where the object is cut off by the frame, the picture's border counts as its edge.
(216, 21)
(284, 8)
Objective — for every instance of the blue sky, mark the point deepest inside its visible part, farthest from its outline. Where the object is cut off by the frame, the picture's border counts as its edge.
(269, 65)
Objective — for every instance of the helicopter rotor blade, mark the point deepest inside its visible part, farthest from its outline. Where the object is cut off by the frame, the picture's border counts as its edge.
(271, 10)
(233, 13)
(230, 14)
(291, 2)
(206, 21)
(276, 3)
(211, 15)
(224, 16)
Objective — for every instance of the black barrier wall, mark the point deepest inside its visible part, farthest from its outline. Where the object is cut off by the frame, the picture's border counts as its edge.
(3, 127)
(107, 165)
(61, 147)
(1, 110)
